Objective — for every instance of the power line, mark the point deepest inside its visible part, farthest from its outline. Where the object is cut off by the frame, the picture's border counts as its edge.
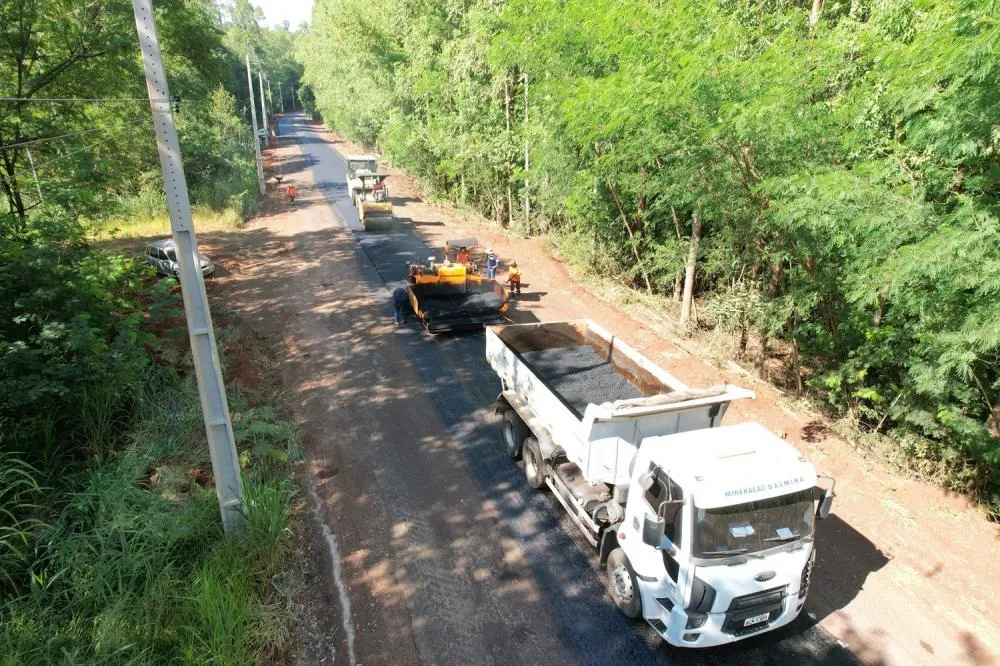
(62, 157)
(63, 136)
(75, 100)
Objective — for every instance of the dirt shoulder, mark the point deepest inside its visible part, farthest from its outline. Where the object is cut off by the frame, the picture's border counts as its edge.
(904, 569)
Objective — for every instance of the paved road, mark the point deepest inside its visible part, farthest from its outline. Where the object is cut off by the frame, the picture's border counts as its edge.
(448, 556)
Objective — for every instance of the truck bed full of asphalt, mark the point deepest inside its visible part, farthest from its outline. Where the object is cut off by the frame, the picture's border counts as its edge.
(579, 376)
(471, 304)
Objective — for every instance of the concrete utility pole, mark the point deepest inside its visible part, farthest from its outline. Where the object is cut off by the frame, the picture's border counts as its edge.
(253, 124)
(208, 370)
(263, 108)
(270, 97)
(281, 97)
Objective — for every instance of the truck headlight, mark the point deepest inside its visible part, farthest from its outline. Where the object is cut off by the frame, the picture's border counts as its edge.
(806, 576)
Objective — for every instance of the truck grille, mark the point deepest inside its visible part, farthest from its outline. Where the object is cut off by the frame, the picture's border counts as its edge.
(769, 602)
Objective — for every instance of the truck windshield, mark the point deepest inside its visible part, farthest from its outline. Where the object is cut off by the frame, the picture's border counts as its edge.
(754, 526)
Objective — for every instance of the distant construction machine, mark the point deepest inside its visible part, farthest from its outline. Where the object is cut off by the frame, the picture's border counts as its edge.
(373, 202)
(356, 165)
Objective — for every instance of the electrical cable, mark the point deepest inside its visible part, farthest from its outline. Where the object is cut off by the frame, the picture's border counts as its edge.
(63, 136)
(39, 167)
(75, 100)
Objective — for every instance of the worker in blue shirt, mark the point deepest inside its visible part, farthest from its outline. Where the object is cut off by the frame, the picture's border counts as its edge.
(491, 264)
(399, 302)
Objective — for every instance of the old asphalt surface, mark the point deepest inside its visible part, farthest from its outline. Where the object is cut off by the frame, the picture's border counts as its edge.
(446, 556)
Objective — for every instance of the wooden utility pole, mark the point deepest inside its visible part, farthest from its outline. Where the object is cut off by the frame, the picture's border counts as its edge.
(253, 125)
(208, 370)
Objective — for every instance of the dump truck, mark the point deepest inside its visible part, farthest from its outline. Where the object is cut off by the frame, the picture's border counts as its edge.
(704, 530)
(358, 164)
(373, 202)
(447, 297)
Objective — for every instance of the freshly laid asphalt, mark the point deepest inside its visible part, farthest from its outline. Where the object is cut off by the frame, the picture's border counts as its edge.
(562, 613)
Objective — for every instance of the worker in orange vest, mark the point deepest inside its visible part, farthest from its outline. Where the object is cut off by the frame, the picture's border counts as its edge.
(514, 277)
(292, 192)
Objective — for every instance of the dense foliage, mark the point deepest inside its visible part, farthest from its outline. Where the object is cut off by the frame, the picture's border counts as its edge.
(828, 175)
(99, 562)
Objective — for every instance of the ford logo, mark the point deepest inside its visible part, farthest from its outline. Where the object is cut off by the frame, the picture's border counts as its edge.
(764, 576)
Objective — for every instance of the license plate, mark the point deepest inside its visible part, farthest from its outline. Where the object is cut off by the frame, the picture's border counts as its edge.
(756, 619)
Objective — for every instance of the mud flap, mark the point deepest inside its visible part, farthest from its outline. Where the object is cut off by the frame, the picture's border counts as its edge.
(608, 542)
(501, 405)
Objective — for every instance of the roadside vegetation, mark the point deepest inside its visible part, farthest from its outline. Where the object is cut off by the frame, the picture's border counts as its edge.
(821, 177)
(111, 546)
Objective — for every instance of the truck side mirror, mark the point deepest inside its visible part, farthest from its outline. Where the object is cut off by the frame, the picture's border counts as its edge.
(825, 504)
(653, 530)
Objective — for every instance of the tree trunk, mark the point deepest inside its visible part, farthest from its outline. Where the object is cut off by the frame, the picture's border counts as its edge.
(814, 15)
(506, 101)
(796, 361)
(628, 228)
(689, 271)
(762, 357)
(679, 276)
(510, 204)
(741, 351)
(12, 189)
(506, 117)
(855, 10)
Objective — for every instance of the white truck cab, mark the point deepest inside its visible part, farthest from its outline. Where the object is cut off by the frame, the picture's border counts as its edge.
(718, 534)
(357, 165)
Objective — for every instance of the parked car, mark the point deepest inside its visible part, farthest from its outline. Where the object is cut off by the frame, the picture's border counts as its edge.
(162, 254)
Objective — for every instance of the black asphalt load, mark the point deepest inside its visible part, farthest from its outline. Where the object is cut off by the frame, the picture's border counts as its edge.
(461, 304)
(581, 624)
(579, 376)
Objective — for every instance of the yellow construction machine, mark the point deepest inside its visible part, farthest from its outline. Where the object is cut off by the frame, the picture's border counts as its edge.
(373, 202)
(445, 296)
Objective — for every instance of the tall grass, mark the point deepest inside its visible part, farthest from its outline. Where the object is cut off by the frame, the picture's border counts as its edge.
(20, 493)
(134, 568)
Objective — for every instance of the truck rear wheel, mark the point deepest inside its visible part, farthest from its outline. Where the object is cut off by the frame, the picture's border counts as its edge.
(623, 585)
(535, 467)
(513, 431)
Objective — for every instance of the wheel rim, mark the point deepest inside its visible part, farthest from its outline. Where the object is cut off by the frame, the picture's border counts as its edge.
(530, 466)
(621, 583)
(508, 436)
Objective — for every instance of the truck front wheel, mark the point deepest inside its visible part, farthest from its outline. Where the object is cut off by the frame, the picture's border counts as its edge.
(623, 585)
(535, 467)
(513, 432)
